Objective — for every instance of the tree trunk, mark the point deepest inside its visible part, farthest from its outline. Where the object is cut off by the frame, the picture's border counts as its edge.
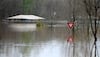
(95, 44)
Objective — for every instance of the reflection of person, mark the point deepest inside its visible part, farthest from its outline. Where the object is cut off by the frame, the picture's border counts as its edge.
(70, 40)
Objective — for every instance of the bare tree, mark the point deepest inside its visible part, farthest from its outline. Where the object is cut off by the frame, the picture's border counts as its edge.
(92, 7)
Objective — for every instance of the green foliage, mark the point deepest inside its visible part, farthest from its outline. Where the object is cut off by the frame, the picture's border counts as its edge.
(27, 6)
(27, 1)
(39, 24)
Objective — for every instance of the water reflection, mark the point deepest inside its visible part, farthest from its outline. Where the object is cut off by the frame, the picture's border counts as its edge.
(22, 27)
(50, 48)
(46, 42)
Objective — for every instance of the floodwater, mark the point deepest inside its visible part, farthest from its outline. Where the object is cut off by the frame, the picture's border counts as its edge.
(25, 40)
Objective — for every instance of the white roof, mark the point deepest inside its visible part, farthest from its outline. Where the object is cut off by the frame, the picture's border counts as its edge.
(33, 17)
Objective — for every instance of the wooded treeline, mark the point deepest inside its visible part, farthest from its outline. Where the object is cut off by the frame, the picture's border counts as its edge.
(44, 8)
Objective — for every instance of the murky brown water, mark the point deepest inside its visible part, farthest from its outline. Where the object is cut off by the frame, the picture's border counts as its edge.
(44, 42)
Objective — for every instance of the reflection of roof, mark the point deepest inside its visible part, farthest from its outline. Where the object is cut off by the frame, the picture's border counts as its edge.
(33, 17)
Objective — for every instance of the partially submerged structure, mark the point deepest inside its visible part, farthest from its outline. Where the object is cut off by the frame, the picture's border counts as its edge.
(23, 22)
(24, 18)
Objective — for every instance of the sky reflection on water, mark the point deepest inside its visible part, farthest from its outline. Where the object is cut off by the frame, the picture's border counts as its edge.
(47, 42)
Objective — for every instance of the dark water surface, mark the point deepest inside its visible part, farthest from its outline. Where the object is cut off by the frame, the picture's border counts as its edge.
(17, 41)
